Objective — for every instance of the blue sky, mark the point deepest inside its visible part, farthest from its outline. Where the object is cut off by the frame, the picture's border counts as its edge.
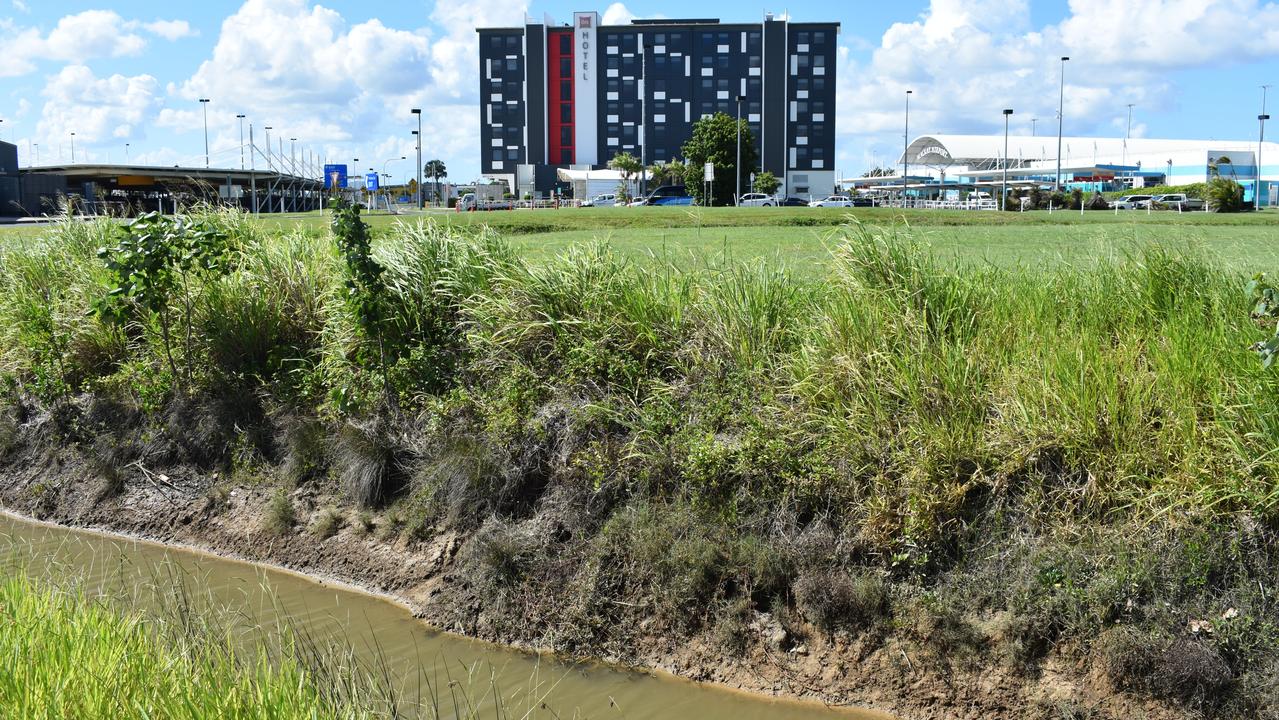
(341, 75)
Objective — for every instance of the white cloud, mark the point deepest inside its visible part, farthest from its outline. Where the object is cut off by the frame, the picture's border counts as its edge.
(1171, 33)
(76, 38)
(20, 6)
(114, 108)
(170, 29)
(617, 14)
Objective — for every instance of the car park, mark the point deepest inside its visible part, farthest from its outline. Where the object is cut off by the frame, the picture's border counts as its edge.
(757, 200)
(832, 201)
(1131, 202)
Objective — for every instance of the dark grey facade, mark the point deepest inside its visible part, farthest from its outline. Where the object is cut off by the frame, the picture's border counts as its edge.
(639, 88)
(10, 194)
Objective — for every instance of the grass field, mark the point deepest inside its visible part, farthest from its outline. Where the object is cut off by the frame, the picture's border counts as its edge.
(799, 237)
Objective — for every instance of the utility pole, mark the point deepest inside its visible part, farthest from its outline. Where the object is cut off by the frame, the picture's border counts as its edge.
(643, 138)
(204, 103)
(418, 194)
(240, 117)
(1003, 195)
(1061, 105)
(905, 148)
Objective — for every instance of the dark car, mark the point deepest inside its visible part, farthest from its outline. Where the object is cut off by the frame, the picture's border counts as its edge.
(862, 202)
(669, 195)
(793, 201)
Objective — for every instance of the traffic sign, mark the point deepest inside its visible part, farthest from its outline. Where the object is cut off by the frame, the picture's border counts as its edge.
(370, 182)
(334, 177)
(708, 172)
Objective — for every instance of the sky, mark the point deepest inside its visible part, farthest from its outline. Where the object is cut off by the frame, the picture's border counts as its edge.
(341, 76)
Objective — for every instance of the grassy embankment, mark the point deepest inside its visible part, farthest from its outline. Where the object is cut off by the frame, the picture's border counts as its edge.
(999, 467)
(64, 655)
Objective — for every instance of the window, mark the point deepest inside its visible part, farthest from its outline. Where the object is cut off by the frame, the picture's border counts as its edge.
(566, 67)
(819, 84)
(659, 39)
(819, 37)
(512, 153)
(512, 65)
(566, 156)
(819, 61)
(566, 43)
(566, 136)
(566, 113)
(802, 39)
(566, 89)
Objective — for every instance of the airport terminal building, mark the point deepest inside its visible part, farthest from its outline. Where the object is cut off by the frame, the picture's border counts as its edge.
(573, 96)
(942, 165)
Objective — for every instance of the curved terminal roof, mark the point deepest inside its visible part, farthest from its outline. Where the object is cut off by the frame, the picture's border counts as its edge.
(977, 150)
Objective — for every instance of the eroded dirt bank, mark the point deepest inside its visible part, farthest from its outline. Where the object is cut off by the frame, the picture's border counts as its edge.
(916, 668)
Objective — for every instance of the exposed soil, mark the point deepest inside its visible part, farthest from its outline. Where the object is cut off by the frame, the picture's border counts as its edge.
(888, 673)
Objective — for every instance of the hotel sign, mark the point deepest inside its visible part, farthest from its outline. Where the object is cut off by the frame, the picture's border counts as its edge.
(585, 111)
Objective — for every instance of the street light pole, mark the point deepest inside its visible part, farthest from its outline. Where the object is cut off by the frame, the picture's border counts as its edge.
(1061, 105)
(1032, 126)
(1003, 195)
(126, 153)
(1261, 139)
(268, 147)
(240, 117)
(643, 48)
(905, 148)
(1127, 134)
(73, 148)
(418, 194)
(204, 103)
(738, 167)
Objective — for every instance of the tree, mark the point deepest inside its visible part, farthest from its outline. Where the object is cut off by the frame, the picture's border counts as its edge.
(666, 173)
(629, 166)
(877, 172)
(767, 183)
(1224, 195)
(435, 170)
(714, 140)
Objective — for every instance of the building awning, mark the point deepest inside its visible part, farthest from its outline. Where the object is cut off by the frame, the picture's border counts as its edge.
(566, 175)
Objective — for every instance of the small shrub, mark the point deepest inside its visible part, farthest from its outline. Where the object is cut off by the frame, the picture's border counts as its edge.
(504, 551)
(328, 523)
(840, 600)
(732, 625)
(280, 516)
(365, 458)
(303, 441)
(1224, 195)
(1098, 202)
(364, 523)
(1184, 669)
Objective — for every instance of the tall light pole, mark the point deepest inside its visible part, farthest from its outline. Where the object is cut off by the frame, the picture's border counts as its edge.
(126, 153)
(240, 117)
(72, 148)
(1033, 121)
(906, 147)
(738, 167)
(268, 146)
(1127, 134)
(418, 195)
(37, 153)
(1061, 105)
(1261, 139)
(643, 46)
(204, 103)
(1003, 195)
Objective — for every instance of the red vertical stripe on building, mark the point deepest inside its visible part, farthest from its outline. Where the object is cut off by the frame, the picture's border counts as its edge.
(559, 94)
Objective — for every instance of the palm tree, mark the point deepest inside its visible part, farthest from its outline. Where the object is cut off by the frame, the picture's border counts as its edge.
(628, 165)
(435, 170)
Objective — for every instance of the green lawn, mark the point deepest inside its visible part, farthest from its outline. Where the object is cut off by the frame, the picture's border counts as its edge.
(799, 236)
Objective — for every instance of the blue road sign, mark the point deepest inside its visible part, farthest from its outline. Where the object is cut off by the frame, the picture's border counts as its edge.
(370, 182)
(334, 176)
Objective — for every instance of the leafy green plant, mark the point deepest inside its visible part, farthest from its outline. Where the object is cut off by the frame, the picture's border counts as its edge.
(629, 166)
(1265, 308)
(1225, 195)
(365, 287)
(715, 140)
(156, 258)
(766, 182)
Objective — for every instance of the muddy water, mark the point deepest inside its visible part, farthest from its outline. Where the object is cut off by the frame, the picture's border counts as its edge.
(378, 628)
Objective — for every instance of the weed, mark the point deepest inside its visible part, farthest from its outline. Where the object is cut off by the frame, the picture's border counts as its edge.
(839, 600)
(280, 515)
(327, 523)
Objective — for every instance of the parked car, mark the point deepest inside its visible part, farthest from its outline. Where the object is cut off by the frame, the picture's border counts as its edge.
(862, 202)
(604, 200)
(832, 201)
(1178, 201)
(793, 201)
(1132, 202)
(757, 200)
(667, 195)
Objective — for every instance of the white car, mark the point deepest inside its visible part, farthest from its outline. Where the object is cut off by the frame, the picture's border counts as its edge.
(1131, 202)
(832, 201)
(605, 200)
(757, 200)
